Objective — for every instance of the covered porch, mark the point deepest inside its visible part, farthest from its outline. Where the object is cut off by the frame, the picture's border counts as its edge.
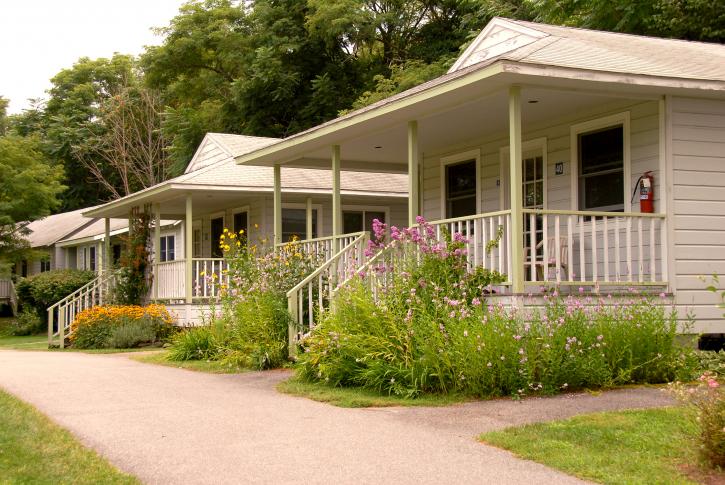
(540, 175)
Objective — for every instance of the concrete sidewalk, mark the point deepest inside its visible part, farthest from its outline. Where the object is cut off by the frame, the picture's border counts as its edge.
(171, 426)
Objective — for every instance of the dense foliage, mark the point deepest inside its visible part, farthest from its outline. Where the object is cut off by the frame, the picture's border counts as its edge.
(248, 325)
(428, 329)
(276, 67)
(44, 289)
(30, 187)
(132, 283)
(116, 326)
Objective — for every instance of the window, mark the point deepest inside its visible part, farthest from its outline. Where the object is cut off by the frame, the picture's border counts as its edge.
(217, 229)
(601, 169)
(44, 265)
(92, 258)
(460, 185)
(81, 258)
(24, 268)
(294, 224)
(116, 254)
(168, 248)
(196, 242)
(241, 223)
(360, 220)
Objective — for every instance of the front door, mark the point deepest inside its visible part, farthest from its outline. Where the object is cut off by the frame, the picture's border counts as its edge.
(532, 172)
(217, 229)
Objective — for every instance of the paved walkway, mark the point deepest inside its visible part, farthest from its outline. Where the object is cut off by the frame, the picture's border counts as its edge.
(171, 426)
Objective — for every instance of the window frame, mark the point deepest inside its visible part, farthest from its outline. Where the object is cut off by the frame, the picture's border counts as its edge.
(454, 159)
(601, 123)
(164, 247)
(239, 210)
(315, 207)
(364, 209)
(541, 143)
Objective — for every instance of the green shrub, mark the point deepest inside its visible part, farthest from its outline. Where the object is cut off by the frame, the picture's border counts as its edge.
(258, 327)
(195, 343)
(27, 323)
(429, 330)
(705, 404)
(114, 326)
(44, 289)
(133, 334)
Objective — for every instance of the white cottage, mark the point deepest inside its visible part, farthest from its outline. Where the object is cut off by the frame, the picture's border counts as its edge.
(600, 155)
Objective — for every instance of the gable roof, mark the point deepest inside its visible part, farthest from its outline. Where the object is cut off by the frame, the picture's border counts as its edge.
(51, 229)
(594, 50)
(216, 147)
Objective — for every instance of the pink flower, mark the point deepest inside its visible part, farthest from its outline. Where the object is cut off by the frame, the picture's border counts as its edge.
(712, 383)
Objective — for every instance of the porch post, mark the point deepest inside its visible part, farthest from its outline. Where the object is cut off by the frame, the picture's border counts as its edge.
(188, 249)
(413, 198)
(308, 215)
(107, 245)
(157, 248)
(336, 205)
(517, 220)
(277, 204)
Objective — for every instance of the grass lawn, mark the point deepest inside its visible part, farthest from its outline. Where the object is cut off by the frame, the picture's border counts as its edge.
(34, 450)
(210, 366)
(642, 446)
(356, 397)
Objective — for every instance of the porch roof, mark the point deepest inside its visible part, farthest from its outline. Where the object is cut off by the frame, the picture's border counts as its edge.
(224, 184)
(51, 229)
(537, 56)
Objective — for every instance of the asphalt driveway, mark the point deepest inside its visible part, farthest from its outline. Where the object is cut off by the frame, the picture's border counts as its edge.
(172, 426)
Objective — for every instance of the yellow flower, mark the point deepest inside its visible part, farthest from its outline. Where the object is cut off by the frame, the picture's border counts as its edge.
(226, 230)
(232, 235)
(256, 226)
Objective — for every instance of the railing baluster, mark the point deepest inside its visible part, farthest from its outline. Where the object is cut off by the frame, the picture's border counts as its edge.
(532, 246)
(605, 247)
(569, 248)
(557, 249)
(652, 259)
(595, 255)
(640, 249)
(545, 247)
(582, 251)
(630, 268)
(618, 269)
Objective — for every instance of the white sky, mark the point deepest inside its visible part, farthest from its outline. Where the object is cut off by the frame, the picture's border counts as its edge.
(38, 38)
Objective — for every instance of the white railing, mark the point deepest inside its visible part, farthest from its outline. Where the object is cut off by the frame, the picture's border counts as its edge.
(170, 280)
(312, 296)
(63, 313)
(7, 293)
(487, 237)
(594, 248)
(208, 275)
(322, 248)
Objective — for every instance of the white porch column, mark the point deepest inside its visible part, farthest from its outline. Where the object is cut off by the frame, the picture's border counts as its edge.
(336, 204)
(308, 215)
(157, 248)
(107, 244)
(517, 220)
(277, 204)
(188, 249)
(413, 180)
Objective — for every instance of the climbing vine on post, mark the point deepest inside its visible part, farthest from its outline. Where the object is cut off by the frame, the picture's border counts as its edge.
(134, 279)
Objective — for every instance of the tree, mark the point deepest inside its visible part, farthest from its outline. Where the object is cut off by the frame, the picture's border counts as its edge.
(29, 190)
(126, 150)
(246, 68)
(3, 115)
(701, 20)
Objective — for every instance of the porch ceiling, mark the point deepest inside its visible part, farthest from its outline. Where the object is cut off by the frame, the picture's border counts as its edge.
(385, 146)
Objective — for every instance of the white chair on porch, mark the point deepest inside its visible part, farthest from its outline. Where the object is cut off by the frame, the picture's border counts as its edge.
(544, 265)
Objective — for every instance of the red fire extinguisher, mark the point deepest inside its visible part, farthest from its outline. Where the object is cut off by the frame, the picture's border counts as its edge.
(646, 187)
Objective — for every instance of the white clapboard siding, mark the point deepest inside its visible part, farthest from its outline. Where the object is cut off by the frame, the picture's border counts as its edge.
(698, 163)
